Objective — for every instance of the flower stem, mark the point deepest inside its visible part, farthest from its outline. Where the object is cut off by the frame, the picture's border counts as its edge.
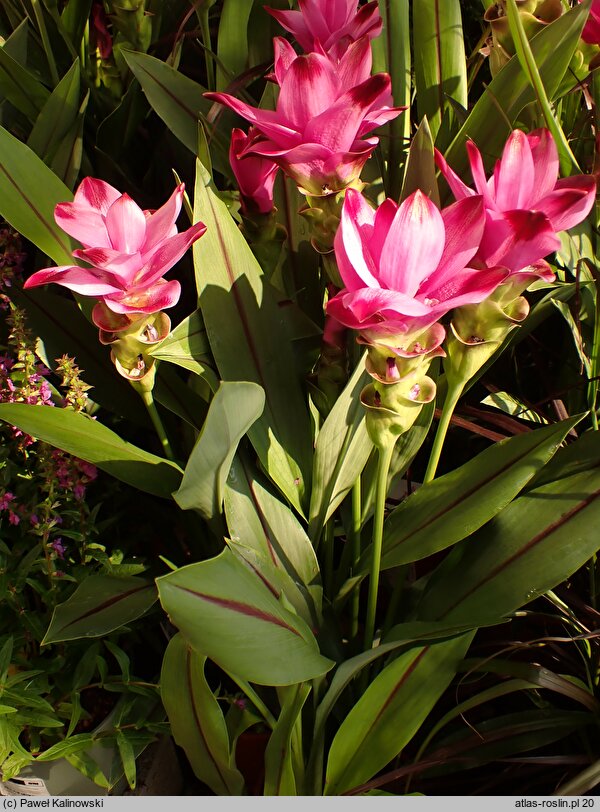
(452, 396)
(157, 423)
(385, 459)
(260, 706)
(355, 537)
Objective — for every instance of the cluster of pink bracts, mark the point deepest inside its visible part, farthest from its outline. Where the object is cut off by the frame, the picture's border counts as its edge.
(403, 267)
(328, 102)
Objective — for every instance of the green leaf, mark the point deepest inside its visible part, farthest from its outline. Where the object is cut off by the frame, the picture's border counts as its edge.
(420, 168)
(187, 345)
(20, 87)
(57, 116)
(91, 441)
(530, 547)
(67, 160)
(87, 766)
(440, 61)
(259, 521)
(233, 410)
(196, 719)
(341, 452)
(29, 191)
(488, 124)
(226, 612)
(99, 605)
(232, 43)
(250, 342)
(75, 744)
(451, 507)
(279, 758)
(390, 712)
(508, 404)
(5, 659)
(127, 755)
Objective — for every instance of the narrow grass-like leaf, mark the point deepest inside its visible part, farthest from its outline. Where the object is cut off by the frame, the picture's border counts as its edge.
(91, 441)
(420, 170)
(99, 605)
(29, 191)
(57, 115)
(233, 410)
(228, 613)
(279, 763)
(250, 342)
(21, 88)
(196, 719)
(440, 62)
(451, 507)
(232, 42)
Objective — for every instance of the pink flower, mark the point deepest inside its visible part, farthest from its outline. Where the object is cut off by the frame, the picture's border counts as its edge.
(404, 266)
(255, 175)
(323, 111)
(5, 500)
(526, 206)
(334, 24)
(129, 250)
(99, 33)
(591, 30)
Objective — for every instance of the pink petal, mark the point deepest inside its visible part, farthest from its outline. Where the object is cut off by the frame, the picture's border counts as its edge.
(355, 262)
(95, 194)
(457, 187)
(478, 173)
(384, 217)
(367, 22)
(355, 66)
(268, 122)
(160, 296)
(516, 239)
(570, 202)
(311, 86)
(161, 225)
(85, 225)
(81, 280)
(284, 56)
(545, 162)
(413, 246)
(167, 254)
(123, 266)
(468, 287)
(464, 223)
(514, 174)
(126, 225)
(371, 308)
(293, 21)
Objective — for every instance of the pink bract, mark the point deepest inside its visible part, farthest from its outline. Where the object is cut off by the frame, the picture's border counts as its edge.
(324, 110)
(405, 266)
(332, 24)
(255, 175)
(526, 205)
(128, 250)
(591, 29)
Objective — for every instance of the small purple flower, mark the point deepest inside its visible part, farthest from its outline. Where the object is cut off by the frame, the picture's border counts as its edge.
(58, 547)
(5, 500)
(13, 518)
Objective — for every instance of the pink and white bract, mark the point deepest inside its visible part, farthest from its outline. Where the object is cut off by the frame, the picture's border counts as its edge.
(405, 266)
(128, 250)
(324, 110)
(332, 24)
(526, 206)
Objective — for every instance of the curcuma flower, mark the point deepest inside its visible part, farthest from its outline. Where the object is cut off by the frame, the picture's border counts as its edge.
(405, 266)
(526, 206)
(324, 110)
(332, 24)
(591, 29)
(128, 250)
(255, 175)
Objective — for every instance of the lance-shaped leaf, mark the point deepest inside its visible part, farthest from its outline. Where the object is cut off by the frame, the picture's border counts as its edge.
(91, 441)
(232, 411)
(279, 758)
(29, 191)
(451, 507)
(20, 87)
(535, 543)
(420, 172)
(390, 712)
(250, 342)
(228, 613)
(99, 605)
(187, 345)
(510, 90)
(259, 521)
(440, 62)
(232, 44)
(342, 450)
(57, 116)
(196, 720)
(179, 101)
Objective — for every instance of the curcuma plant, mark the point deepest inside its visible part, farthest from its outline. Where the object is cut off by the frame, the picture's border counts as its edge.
(361, 292)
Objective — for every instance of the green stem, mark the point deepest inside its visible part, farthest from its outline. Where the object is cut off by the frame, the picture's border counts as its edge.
(328, 541)
(205, 28)
(355, 540)
(39, 15)
(452, 396)
(157, 423)
(385, 459)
